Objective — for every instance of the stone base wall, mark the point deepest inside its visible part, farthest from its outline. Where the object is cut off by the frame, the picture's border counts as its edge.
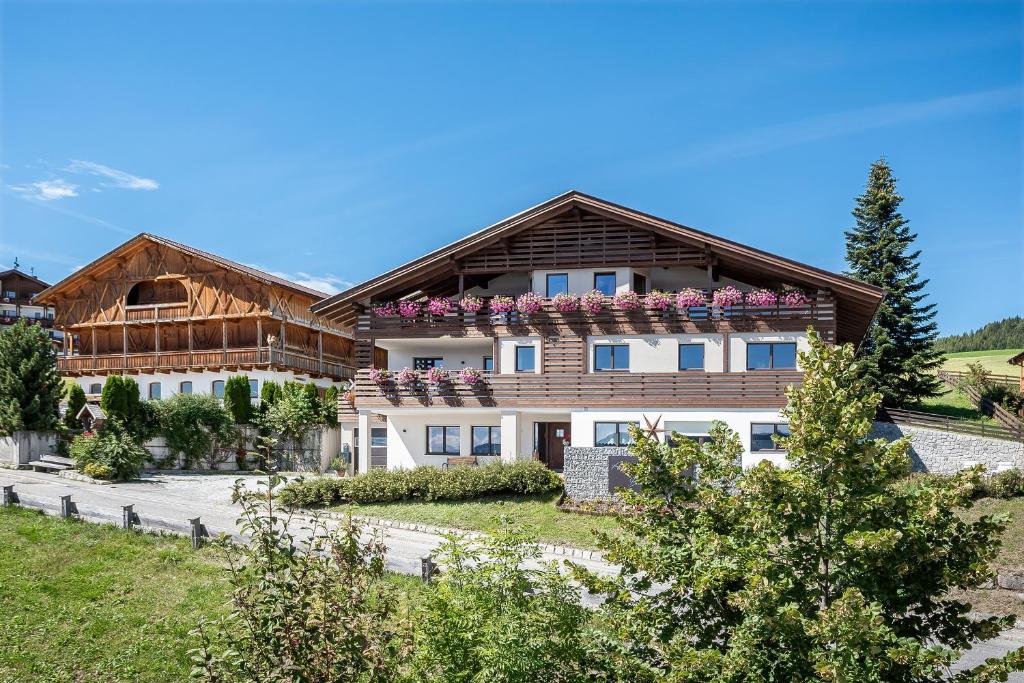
(940, 452)
(313, 453)
(21, 447)
(586, 471)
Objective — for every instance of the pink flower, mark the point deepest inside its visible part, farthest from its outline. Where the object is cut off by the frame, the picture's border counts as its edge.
(658, 300)
(437, 375)
(794, 297)
(529, 303)
(440, 306)
(503, 304)
(691, 297)
(592, 302)
(379, 376)
(628, 301)
(471, 304)
(762, 297)
(406, 377)
(388, 310)
(409, 309)
(566, 303)
(470, 375)
(727, 296)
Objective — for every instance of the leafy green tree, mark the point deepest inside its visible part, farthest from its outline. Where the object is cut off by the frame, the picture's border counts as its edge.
(195, 426)
(330, 406)
(489, 618)
(835, 568)
(76, 401)
(269, 394)
(237, 399)
(899, 350)
(121, 402)
(1002, 334)
(30, 388)
(315, 608)
(113, 453)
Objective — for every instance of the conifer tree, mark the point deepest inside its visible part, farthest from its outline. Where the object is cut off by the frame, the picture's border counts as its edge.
(237, 399)
(30, 388)
(898, 354)
(76, 401)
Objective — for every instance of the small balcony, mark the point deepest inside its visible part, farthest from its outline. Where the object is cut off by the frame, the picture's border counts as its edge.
(172, 311)
(609, 317)
(756, 389)
(10, 318)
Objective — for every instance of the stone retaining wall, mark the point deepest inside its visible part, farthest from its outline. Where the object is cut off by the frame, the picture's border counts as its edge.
(313, 453)
(586, 471)
(933, 450)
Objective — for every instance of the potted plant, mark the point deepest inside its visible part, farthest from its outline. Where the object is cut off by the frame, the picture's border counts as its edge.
(565, 303)
(380, 376)
(628, 301)
(794, 297)
(657, 300)
(339, 465)
(407, 377)
(388, 310)
(762, 297)
(727, 296)
(471, 304)
(529, 303)
(438, 376)
(440, 305)
(592, 302)
(470, 376)
(502, 305)
(409, 309)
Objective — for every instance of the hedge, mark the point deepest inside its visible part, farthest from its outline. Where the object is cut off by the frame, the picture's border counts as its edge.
(423, 483)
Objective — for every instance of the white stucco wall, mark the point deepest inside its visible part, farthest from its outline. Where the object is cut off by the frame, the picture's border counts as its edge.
(675, 278)
(739, 420)
(507, 353)
(202, 381)
(582, 279)
(738, 345)
(407, 435)
(660, 353)
(457, 353)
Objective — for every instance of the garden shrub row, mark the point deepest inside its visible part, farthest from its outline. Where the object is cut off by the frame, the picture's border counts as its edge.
(423, 483)
(1006, 484)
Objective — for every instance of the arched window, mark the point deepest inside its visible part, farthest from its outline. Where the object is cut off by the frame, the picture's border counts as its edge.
(218, 388)
(185, 388)
(156, 292)
(95, 389)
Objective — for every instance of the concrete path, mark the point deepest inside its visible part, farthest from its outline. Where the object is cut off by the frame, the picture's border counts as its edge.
(184, 496)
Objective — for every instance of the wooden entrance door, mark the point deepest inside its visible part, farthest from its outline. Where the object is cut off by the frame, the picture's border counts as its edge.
(558, 438)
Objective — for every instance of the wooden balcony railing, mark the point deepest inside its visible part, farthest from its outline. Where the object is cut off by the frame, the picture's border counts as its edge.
(819, 313)
(157, 312)
(11, 319)
(205, 358)
(758, 389)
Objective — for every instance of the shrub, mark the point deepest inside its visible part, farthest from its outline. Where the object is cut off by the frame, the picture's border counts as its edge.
(98, 471)
(237, 400)
(1008, 484)
(195, 426)
(114, 448)
(423, 483)
(76, 401)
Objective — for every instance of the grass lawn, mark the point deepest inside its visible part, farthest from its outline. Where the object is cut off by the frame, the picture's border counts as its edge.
(1012, 553)
(954, 404)
(538, 513)
(993, 361)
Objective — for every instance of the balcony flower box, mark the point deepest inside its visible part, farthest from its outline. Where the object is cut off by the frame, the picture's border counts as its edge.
(592, 302)
(794, 298)
(438, 376)
(440, 306)
(727, 296)
(406, 377)
(628, 301)
(470, 376)
(657, 300)
(690, 298)
(409, 309)
(379, 376)
(762, 297)
(529, 303)
(388, 310)
(566, 303)
(502, 304)
(471, 304)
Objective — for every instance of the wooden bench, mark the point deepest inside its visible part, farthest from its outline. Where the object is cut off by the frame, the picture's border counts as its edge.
(48, 462)
(460, 461)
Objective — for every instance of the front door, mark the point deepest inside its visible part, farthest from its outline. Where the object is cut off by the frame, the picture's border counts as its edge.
(558, 438)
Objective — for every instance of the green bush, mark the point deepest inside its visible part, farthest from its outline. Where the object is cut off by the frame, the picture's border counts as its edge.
(423, 483)
(196, 427)
(98, 471)
(113, 448)
(1008, 484)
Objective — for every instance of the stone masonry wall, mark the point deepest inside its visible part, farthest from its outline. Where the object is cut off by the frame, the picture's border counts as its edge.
(586, 471)
(942, 452)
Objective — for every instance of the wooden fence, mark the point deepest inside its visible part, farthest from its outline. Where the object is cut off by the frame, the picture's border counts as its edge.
(945, 423)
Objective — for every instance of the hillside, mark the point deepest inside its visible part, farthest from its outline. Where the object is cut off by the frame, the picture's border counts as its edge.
(1002, 334)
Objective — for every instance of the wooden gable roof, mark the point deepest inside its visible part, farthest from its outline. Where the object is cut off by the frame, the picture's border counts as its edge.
(142, 238)
(578, 230)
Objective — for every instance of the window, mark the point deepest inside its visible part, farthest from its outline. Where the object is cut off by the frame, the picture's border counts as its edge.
(154, 390)
(185, 388)
(761, 436)
(558, 283)
(218, 388)
(612, 433)
(442, 440)
(95, 388)
(427, 363)
(605, 283)
(526, 359)
(691, 356)
(778, 356)
(486, 441)
(611, 357)
(488, 365)
(694, 431)
(639, 283)
(254, 388)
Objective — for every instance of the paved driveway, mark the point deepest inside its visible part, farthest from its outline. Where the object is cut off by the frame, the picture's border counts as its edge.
(184, 496)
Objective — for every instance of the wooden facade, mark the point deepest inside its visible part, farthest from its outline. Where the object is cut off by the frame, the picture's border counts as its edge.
(153, 304)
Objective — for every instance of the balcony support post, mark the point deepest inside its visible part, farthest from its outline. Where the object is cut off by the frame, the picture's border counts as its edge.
(190, 343)
(124, 342)
(92, 333)
(509, 435)
(725, 352)
(320, 350)
(224, 340)
(259, 339)
(364, 441)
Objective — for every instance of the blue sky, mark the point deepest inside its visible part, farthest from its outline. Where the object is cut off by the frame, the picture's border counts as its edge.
(332, 141)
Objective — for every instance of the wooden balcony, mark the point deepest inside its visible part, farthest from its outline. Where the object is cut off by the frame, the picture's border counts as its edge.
(31, 320)
(176, 311)
(228, 359)
(819, 313)
(757, 389)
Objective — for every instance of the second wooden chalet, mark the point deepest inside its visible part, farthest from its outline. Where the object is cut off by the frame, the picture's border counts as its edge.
(184, 320)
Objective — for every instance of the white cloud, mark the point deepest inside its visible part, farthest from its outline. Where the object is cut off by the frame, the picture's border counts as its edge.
(120, 179)
(46, 190)
(328, 284)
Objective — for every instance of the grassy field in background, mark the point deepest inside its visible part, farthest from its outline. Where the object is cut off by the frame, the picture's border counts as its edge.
(993, 361)
(538, 513)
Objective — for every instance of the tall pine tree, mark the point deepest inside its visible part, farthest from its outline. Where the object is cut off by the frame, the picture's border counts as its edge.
(898, 355)
(30, 388)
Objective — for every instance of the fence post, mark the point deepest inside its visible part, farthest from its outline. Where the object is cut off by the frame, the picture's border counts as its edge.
(127, 516)
(427, 568)
(197, 532)
(66, 507)
(8, 497)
